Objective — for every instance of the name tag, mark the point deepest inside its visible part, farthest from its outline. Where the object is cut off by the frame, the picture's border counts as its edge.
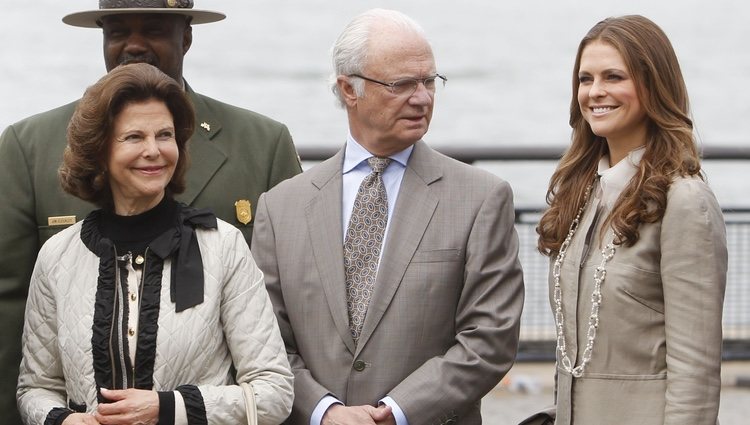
(62, 220)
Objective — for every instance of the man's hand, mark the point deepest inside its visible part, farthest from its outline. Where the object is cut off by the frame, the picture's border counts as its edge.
(128, 407)
(384, 415)
(339, 414)
(80, 419)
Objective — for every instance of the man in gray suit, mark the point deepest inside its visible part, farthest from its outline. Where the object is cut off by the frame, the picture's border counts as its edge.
(236, 155)
(393, 269)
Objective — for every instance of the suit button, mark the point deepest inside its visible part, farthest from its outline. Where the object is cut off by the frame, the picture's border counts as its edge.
(359, 365)
(450, 421)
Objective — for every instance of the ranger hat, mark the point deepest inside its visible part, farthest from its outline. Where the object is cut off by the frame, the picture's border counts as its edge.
(91, 18)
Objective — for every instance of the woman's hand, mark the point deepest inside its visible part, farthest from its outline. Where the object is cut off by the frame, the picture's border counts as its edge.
(128, 407)
(80, 419)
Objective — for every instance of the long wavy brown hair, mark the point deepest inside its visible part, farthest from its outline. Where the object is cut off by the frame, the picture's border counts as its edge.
(670, 145)
(83, 171)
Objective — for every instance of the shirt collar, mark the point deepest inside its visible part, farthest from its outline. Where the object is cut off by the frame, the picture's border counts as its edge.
(355, 154)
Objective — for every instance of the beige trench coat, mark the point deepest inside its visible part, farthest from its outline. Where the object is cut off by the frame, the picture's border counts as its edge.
(657, 354)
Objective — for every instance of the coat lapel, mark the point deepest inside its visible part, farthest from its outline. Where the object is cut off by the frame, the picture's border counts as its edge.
(324, 221)
(206, 157)
(411, 216)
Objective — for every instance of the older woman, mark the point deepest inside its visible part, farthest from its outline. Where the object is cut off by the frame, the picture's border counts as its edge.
(636, 239)
(148, 310)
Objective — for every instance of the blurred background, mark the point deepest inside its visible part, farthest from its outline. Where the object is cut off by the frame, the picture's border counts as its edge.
(509, 65)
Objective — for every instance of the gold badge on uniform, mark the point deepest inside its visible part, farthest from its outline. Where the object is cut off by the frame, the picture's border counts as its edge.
(244, 211)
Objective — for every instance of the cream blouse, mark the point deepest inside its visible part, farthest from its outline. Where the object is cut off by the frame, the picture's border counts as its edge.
(615, 178)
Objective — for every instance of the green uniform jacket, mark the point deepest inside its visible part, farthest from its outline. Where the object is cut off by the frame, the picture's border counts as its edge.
(235, 155)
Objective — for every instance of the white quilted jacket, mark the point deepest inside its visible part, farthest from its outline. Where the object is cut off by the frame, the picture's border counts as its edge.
(234, 325)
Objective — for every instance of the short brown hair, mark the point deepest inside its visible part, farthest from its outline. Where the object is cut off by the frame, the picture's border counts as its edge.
(83, 171)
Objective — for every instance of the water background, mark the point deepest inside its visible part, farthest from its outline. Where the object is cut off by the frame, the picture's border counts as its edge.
(509, 65)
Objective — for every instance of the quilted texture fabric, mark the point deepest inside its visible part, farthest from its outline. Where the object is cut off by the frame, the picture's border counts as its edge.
(234, 325)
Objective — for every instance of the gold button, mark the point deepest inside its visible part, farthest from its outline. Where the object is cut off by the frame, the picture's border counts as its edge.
(139, 260)
(133, 296)
(131, 331)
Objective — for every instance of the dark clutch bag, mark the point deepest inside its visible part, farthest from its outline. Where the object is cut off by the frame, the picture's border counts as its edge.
(545, 417)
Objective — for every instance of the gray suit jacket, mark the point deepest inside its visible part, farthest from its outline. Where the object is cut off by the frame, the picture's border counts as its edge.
(442, 326)
(235, 154)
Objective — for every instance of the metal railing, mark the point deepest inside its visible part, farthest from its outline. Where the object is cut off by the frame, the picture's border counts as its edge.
(537, 322)
(471, 154)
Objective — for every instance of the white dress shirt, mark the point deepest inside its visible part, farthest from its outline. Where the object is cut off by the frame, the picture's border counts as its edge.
(355, 170)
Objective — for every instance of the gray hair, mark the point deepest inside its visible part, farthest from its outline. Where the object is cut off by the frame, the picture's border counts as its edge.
(349, 52)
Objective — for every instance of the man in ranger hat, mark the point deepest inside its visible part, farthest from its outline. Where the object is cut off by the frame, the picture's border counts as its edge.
(237, 155)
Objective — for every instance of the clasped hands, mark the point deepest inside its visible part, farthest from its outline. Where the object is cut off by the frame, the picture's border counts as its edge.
(128, 407)
(141, 407)
(339, 414)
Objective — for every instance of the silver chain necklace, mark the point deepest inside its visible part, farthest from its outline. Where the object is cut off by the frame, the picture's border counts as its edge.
(596, 296)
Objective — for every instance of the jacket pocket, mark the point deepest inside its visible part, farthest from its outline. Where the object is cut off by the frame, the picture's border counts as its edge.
(657, 307)
(437, 255)
(635, 284)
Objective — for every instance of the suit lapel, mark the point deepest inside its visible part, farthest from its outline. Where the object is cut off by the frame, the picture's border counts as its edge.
(411, 216)
(324, 221)
(206, 157)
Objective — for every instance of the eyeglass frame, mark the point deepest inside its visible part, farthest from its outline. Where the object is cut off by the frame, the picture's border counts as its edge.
(392, 85)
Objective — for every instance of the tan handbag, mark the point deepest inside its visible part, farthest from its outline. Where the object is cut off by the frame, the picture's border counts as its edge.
(250, 407)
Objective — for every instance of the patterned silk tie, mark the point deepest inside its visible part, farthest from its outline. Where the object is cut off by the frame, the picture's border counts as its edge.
(363, 242)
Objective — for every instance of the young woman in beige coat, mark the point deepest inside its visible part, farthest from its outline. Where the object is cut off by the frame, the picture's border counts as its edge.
(636, 240)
